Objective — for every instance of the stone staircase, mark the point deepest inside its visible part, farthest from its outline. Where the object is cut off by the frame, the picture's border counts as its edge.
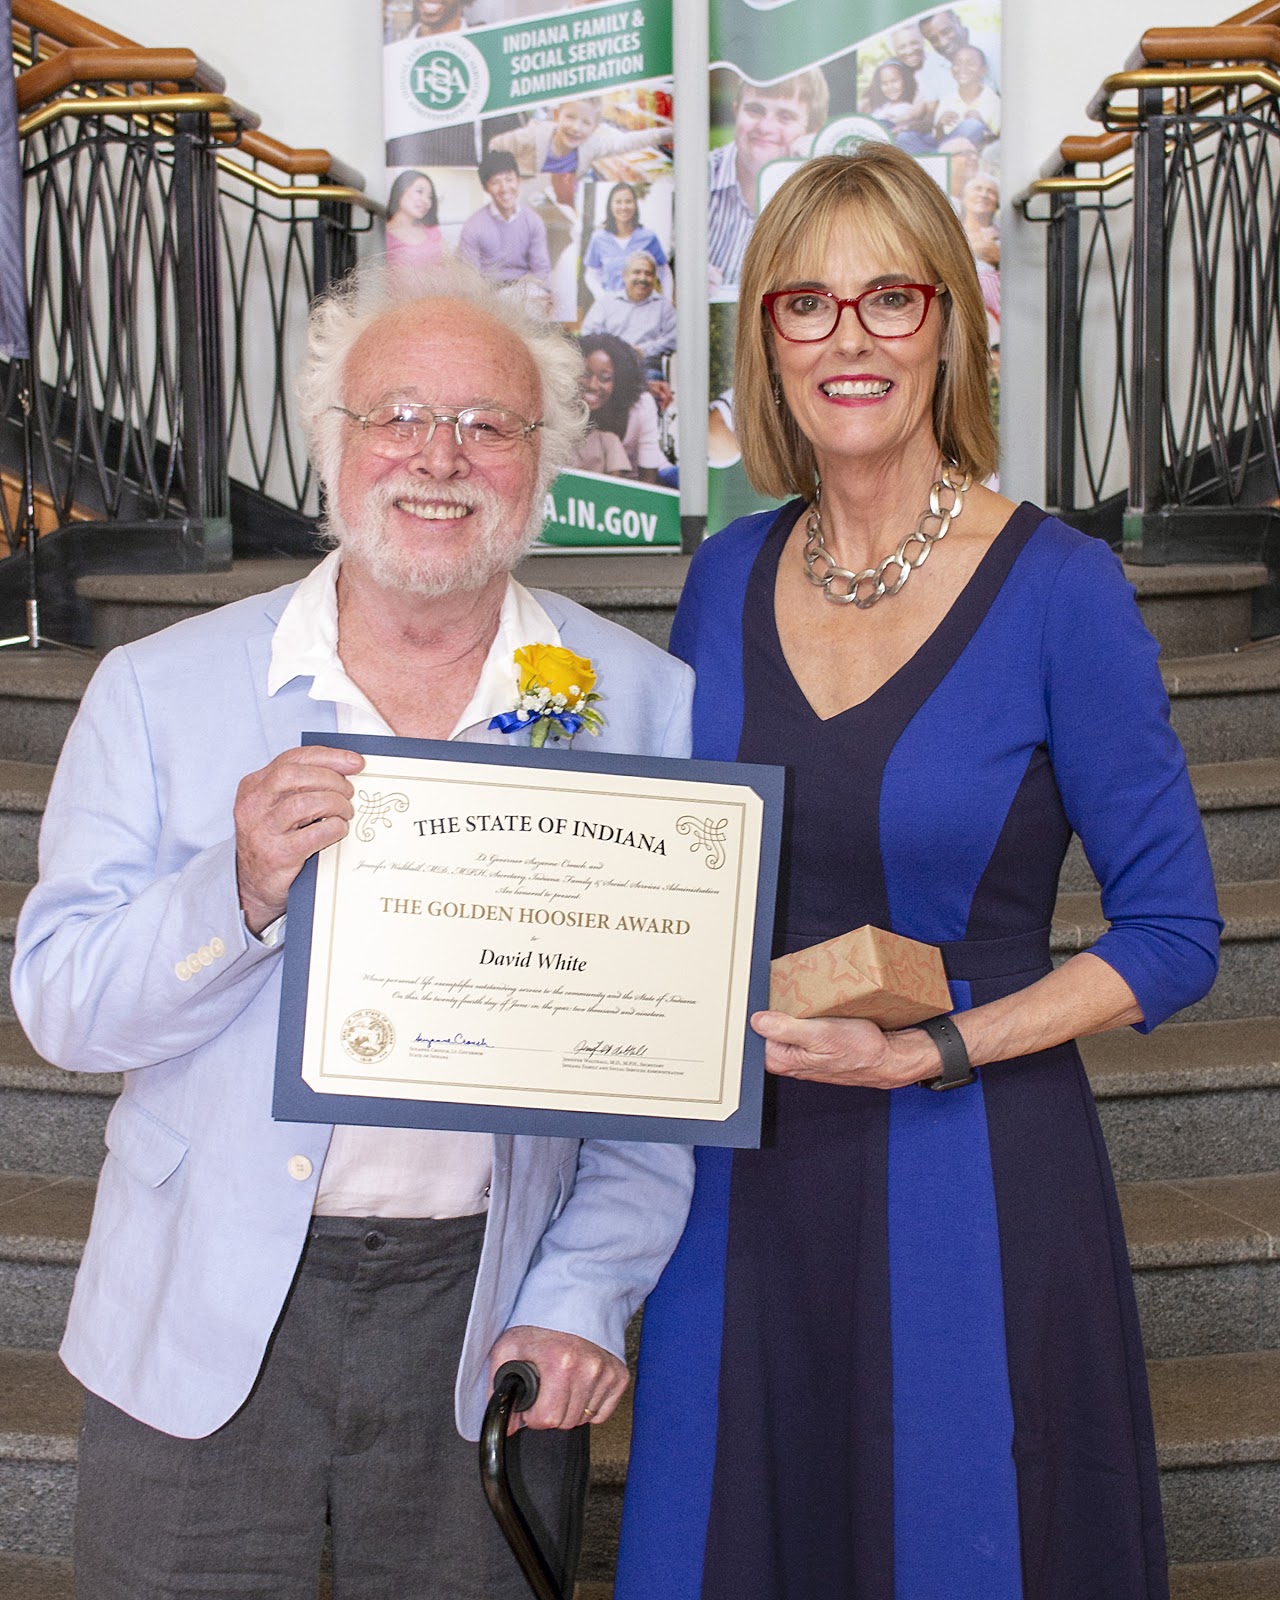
(1191, 1114)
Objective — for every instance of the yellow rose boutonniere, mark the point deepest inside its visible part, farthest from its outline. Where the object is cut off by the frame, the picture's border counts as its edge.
(555, 695)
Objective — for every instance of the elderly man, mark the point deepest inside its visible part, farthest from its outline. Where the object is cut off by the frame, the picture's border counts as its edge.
(931, 71)
(278, 1323)
(639, 314)
(769, 124)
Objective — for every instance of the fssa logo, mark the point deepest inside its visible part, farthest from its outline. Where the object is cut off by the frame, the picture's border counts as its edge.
(447, 81)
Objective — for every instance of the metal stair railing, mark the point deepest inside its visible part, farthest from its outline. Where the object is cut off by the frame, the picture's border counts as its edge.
(1163, 274)
(173, 250)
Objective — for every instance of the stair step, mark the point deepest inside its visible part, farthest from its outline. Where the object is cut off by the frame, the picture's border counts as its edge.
(44, 1222)
(35, 1578)
(1240, 807)
(39, 1418)
(1217, 1422)
(24, 791)
(1225, 707)
(51, 1120)
(1225, 1580)
(1249, 971)
(1218, 1435)
(11, 897)
(1190, 1100)
(1206, 1260)
(638, 590)
(51, 1578)
(128, 606)
(39, 695)
(1198, 610)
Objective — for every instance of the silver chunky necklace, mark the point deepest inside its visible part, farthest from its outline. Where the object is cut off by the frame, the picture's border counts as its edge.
(932, 526)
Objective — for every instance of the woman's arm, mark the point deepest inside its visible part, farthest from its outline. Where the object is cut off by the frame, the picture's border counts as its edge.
(1083, 996)
(1123, 780)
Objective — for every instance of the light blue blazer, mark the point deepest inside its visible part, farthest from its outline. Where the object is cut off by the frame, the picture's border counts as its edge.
(132, 956)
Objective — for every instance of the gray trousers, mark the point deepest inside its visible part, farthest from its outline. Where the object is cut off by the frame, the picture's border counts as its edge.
(349, 1425)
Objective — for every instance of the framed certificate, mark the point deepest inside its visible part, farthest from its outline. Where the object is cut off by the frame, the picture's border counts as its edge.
(512, 940)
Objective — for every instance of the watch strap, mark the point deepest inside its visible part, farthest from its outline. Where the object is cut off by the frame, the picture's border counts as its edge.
(956, 1070)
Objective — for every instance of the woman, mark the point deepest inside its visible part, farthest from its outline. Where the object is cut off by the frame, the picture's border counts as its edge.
(620, 404)
(897, 1354)
(601, 450)
(413, 222)
(611, 244)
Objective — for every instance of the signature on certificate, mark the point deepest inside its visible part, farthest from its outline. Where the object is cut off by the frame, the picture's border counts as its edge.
(458, 1038)
(601, 1047)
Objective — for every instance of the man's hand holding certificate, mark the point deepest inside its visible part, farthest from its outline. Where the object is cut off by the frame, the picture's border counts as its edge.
(505, 938)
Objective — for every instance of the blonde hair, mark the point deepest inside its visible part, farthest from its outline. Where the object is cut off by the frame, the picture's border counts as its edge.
(902, 216)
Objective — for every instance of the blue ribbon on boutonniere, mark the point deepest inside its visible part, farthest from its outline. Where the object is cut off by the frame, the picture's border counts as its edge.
(515, 721)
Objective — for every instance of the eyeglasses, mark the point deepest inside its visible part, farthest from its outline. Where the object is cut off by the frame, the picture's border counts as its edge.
(401, 428)
(895, 311)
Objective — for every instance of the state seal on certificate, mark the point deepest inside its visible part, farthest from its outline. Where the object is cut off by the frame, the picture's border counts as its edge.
(541, 941)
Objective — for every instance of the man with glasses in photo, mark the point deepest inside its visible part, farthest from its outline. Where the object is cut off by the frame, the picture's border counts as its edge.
(284, 1327)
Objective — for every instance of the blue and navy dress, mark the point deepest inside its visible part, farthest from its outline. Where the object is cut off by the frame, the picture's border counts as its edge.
(896, 1355)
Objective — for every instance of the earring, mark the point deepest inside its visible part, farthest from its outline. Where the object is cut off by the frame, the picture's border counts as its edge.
(777, 389)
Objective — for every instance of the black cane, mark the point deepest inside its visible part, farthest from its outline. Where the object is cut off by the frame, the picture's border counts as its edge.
(515, 1388)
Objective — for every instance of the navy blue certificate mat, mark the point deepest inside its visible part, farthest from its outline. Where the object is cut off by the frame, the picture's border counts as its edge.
(295, 1101)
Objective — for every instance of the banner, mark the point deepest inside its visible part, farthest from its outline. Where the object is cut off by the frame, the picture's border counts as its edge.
(794, 79)
(535, 142)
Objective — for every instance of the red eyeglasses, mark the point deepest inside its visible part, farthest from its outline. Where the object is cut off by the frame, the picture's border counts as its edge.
(893, 311)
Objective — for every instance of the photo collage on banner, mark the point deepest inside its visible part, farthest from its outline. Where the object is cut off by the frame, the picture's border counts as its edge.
(534, 141)
(793, 79)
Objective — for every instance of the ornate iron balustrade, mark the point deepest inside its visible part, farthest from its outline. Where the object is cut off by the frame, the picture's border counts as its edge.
(1164, 303)
(173, 253)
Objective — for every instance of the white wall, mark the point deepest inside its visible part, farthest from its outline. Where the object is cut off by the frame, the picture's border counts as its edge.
(311, 68)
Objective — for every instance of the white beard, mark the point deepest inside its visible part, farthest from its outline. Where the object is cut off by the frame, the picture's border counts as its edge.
(428, 570)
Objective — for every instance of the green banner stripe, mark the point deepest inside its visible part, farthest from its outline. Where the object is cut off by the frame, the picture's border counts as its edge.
(609, 513)
(767, 45)
(587, 50)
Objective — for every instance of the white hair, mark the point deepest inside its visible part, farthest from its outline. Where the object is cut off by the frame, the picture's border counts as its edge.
(346, 311)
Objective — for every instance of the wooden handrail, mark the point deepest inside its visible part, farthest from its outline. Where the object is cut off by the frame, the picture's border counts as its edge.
(1098, 147)
(83, 64)
(1250, 35)
(74, 32)
(1162, 46)
(67, 27)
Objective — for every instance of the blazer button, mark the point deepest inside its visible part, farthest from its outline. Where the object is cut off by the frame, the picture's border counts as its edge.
(205, 955)
(217, 948)
(299, 1168)
(183, 971)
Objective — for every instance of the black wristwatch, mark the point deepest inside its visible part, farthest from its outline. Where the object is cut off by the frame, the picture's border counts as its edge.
(956, 1071)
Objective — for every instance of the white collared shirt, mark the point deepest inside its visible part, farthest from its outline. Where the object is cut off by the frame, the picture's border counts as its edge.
(399, 1172)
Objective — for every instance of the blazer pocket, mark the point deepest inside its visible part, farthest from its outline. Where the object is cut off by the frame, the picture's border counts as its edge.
(147, 1148)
